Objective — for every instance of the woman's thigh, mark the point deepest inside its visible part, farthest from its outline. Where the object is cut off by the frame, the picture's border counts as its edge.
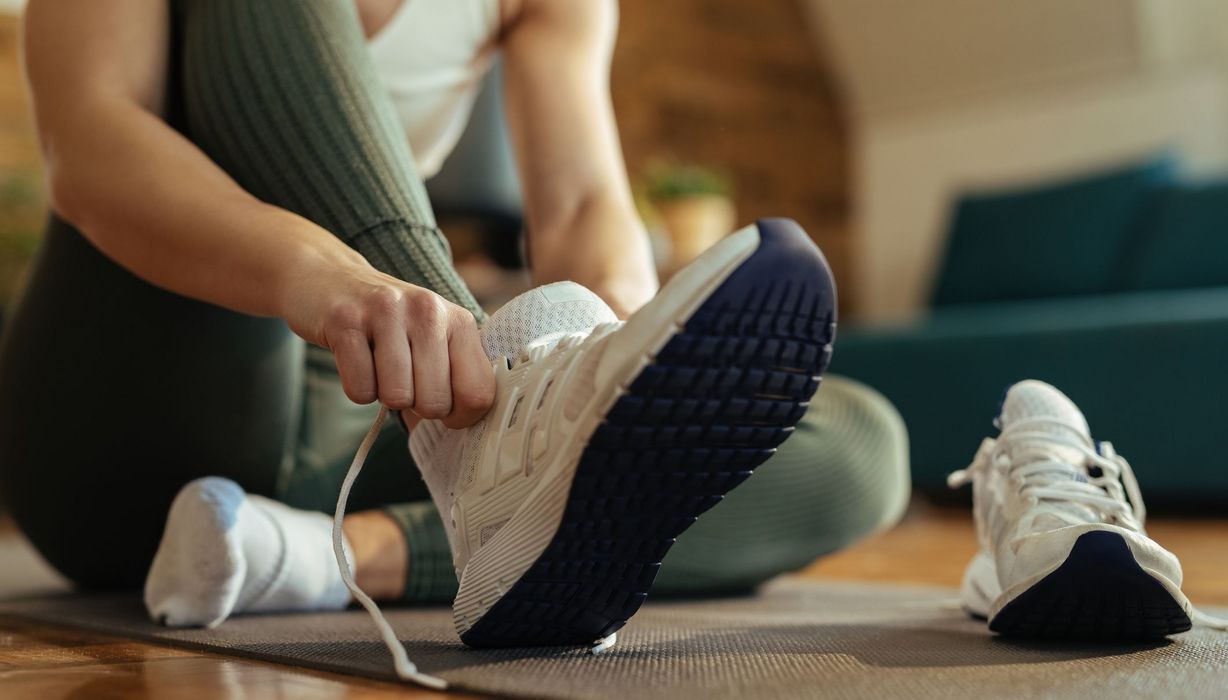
(114, 394)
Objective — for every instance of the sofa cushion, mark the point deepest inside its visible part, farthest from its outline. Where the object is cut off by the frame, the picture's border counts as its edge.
(1184, 243)
(1054, 240)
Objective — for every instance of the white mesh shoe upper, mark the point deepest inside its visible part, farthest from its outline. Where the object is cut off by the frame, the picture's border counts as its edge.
(526, 339)
(562, 307)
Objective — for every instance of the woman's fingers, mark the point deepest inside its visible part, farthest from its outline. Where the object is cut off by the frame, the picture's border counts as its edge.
(352, 350)
(394, 375)
(428, 340)
(473, 380)
(414, 352)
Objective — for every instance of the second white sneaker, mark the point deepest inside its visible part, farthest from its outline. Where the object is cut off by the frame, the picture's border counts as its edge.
(1060, 520)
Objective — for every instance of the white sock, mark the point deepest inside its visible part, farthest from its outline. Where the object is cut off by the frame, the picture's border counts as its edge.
(226, 552)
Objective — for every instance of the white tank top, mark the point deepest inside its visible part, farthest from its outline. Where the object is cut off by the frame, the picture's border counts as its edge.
(431, 57)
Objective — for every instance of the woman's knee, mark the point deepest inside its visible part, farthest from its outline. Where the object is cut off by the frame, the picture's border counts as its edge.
(90, 533)
(856, 444)
(842, 476)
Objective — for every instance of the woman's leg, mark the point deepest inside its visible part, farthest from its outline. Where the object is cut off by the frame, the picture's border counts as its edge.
(282, 94)
(114, 394)
(842, 475)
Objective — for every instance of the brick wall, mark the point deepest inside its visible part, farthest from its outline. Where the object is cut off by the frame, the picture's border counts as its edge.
(737, 85)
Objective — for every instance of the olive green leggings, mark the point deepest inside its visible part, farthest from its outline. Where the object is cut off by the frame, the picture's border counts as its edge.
(114, 394)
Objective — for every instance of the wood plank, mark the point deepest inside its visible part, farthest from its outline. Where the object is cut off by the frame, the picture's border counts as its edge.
(40, 661)
(933, 545)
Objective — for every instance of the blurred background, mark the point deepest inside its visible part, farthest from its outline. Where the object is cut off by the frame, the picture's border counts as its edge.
(1003, 189)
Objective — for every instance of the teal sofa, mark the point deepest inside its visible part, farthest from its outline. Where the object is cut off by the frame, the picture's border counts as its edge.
(1112, 287)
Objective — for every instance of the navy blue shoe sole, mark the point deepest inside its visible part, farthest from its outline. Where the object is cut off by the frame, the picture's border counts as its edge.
(709, 408)
(1100, 594)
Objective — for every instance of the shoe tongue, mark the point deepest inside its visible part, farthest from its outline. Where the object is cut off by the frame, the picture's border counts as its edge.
(554, 309)
(1036, 399)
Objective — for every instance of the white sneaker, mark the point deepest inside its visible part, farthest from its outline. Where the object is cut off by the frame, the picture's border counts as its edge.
(1060, 520)
(607, 441)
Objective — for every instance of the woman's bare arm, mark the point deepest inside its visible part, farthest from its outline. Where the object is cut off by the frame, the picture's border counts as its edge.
(141, 192)
(581, 218)
(151, 200)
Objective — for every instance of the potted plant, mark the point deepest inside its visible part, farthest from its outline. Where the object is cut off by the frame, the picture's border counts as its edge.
(693, 205)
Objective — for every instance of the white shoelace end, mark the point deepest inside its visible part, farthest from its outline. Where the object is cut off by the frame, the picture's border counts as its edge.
(958, 478)
(605, 643)
(424, 680)
(1202, 619)
(963, 477)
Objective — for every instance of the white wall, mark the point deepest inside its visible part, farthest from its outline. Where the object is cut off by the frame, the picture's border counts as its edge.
(947, 96)
(908, 172)
(902, 56)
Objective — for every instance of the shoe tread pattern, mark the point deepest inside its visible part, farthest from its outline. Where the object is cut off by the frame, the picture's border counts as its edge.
(1099, 594)
(706, 411)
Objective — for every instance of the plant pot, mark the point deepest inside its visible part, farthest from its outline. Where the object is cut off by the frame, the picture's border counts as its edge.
(694, 223)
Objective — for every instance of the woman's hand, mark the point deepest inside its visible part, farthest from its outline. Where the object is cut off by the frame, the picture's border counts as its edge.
(403, 345)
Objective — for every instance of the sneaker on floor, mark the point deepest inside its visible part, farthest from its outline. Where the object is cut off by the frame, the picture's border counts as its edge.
(1060, 520)
(608, 439)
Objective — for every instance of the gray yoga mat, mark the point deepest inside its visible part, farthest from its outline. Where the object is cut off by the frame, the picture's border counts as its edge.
(795, 639)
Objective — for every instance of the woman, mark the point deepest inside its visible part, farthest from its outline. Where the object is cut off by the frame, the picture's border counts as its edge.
(231, 181)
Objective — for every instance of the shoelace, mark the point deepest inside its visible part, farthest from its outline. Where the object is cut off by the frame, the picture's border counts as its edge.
(1046, 475)
(406, 670)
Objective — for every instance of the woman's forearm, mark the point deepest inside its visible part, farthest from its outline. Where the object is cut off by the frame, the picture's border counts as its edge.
(157, 205)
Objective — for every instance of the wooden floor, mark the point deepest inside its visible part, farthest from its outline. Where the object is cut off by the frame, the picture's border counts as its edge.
(931, 546)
